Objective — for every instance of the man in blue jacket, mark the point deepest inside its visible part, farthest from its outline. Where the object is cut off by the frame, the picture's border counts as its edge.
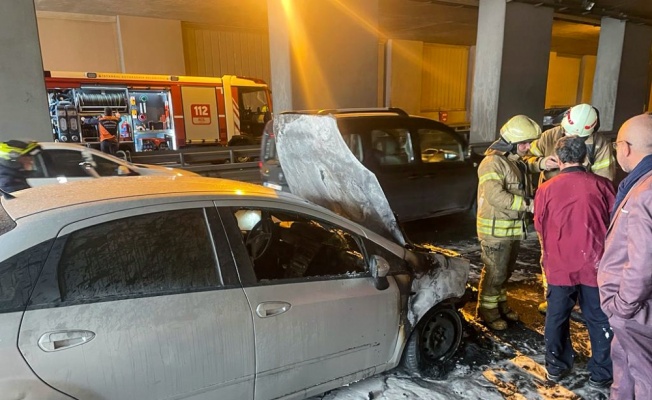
(571, 215)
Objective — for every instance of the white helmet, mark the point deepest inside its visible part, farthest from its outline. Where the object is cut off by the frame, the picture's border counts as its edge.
(580, 120)
(519, 129)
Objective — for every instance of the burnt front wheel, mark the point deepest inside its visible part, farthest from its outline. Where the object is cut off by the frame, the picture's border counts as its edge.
(434, 340)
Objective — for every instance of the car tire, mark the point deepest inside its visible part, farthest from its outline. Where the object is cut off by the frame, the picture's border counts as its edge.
(434, 340)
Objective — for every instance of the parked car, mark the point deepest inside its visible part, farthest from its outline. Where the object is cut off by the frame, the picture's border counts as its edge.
(67, 162)
(174, 287)
(552, 116)
(425, 168)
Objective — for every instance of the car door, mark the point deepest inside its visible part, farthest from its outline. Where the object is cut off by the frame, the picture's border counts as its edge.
(319, 321)
(388, 153)
(136, 305)
(449, 181)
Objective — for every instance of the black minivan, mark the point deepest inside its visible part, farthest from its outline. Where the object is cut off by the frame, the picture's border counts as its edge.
(425, 168)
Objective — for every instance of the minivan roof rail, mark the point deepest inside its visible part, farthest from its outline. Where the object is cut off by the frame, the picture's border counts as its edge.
(395, 110)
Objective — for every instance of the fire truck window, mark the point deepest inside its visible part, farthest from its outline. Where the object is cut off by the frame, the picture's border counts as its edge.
(254, 110)
(64, 163)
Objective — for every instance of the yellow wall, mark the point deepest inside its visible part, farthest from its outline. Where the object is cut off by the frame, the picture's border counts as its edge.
(563, 80)
(404, 74)
(588, 68)
(445, 70)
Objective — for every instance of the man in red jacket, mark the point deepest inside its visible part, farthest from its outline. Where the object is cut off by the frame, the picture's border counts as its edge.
(571, 215)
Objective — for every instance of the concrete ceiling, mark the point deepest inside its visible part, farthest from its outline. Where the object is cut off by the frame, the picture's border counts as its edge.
(434, 21)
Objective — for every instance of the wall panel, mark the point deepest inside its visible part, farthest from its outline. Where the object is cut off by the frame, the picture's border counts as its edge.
(563, 80)
(216, 51)
(444, 79)
(76, 42)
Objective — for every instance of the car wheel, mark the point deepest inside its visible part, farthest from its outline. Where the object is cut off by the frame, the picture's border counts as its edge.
(434, 340)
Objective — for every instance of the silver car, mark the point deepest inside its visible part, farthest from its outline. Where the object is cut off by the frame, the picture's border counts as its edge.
(200, 288)
(67, 162)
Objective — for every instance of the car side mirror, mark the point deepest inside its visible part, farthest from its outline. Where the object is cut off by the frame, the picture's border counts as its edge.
(123, 170)
(379, 269)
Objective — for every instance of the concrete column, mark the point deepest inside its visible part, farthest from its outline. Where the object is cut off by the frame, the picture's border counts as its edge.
(324, 54)
(511, 65)
(621, 85)
(23, 101)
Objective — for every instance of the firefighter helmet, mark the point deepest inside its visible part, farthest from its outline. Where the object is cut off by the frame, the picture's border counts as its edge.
(580, 120)
(12, 150)
(520, 129)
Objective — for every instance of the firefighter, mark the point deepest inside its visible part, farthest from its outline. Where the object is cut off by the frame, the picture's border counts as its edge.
(581, 120)
(504, 198)
(107, 128)
(16, 162)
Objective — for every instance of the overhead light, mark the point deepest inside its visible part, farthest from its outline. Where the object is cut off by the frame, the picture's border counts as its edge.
(587, 4)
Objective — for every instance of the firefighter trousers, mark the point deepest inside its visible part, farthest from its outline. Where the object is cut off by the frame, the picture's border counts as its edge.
(499, 258)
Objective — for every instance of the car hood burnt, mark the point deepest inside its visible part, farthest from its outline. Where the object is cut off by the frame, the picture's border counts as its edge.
(319, 167)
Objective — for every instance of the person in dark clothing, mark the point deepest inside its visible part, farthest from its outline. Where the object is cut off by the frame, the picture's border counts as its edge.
(107, 128)
(571, 215)
(16, 160)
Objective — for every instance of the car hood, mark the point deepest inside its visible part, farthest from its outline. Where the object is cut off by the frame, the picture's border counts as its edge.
(148, 169)
(319, 167)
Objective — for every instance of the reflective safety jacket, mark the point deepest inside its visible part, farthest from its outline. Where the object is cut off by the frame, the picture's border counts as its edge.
(504, 196)
(599, 157)
(108, 128)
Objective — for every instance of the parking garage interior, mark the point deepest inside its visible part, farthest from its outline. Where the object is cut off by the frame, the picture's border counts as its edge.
(464, 62)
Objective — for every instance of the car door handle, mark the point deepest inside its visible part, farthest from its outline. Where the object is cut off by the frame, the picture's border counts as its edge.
(413, 176)
(272, 308)
(60, 340)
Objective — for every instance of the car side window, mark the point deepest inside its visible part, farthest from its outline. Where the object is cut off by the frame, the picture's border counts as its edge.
(106, 167)
(439, 146)
(18, 276)
(64, 163)
(287, 245)
(392, 146)
(158, 253)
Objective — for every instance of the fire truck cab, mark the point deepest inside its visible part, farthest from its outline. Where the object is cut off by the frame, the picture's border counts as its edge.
(157, 112)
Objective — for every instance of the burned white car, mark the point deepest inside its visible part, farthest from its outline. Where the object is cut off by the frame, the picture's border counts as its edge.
(183, 287)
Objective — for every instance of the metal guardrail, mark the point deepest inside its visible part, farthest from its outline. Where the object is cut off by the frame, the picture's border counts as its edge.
(238, 163)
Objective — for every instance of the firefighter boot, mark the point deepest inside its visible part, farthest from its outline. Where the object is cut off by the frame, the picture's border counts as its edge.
(491, 318)
(507, 312)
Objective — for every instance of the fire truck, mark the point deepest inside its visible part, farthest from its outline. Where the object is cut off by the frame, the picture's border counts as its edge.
(157, 112)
